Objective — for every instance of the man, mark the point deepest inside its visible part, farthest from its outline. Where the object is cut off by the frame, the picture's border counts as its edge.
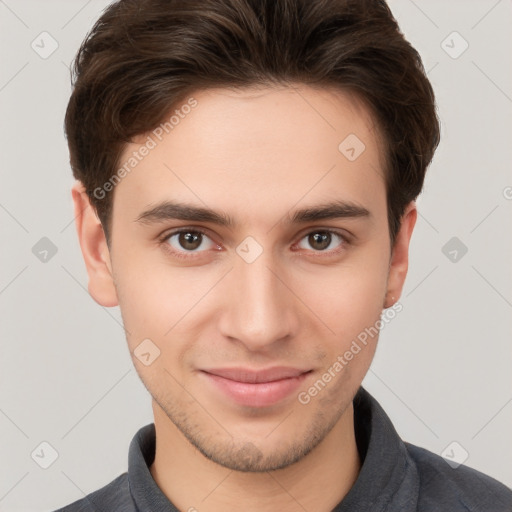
(246, 176)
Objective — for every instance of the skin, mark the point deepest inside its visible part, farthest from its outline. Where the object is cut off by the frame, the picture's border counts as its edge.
(257, 155)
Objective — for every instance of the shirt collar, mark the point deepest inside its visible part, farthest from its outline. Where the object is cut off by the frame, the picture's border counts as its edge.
(388, 475)
(145, 493)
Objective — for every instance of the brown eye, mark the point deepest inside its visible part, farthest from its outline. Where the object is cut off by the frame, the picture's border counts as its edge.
(322, 241)
(186, 241)
(190, 240)
(319, 241)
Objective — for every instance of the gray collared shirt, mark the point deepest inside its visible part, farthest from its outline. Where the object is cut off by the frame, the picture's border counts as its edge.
(395, 476)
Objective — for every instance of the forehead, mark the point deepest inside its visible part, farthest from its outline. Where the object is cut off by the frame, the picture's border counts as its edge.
(272, 146)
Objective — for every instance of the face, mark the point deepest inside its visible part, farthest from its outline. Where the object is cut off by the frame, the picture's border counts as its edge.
(247, 305)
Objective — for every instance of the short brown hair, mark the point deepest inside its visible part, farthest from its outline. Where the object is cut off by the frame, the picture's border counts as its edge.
(142, 57)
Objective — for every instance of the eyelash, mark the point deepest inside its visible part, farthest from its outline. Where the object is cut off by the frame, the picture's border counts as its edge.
(188, 255)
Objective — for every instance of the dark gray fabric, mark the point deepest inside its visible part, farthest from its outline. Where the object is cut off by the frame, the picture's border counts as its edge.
(395, 476)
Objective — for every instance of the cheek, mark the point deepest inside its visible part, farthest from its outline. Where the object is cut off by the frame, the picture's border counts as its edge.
(348, 297)
(157, 300)
(350, 301)
(147, 298)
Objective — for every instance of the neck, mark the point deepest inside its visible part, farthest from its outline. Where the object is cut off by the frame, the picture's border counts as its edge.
(317, 482)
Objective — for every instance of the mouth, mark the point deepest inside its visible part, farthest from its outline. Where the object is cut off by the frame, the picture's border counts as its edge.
(255, 388)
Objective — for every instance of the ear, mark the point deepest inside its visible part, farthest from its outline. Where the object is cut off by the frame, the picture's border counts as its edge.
(400, 256)
(94, 249)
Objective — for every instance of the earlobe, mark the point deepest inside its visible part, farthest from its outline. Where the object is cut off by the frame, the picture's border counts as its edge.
(94, 247)
(400, 256)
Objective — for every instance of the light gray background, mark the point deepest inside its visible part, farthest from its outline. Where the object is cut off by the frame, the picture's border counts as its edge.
(442, 369)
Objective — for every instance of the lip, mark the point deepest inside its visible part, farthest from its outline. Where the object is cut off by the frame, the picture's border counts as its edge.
(256, 388)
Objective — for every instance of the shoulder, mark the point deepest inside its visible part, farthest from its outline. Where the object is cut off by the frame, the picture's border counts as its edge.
(456, 488)
(113, 497)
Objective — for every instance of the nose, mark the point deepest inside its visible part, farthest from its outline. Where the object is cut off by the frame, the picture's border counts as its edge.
(260, 310)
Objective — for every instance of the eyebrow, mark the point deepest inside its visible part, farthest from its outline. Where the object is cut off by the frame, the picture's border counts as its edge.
(169, 210)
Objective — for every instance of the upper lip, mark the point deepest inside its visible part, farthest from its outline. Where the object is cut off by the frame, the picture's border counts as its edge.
(253, 376)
